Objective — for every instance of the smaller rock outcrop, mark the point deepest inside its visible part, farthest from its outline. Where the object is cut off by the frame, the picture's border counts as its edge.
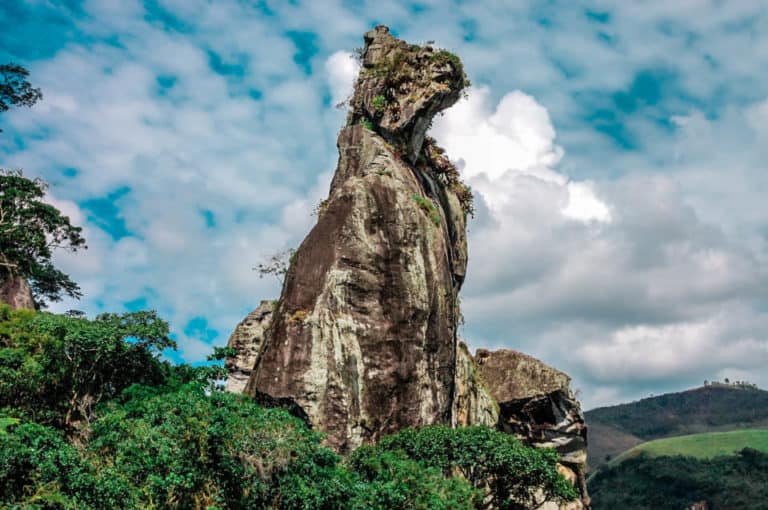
(473, 403)
(246, 340)
(537, 405)
(15, 291)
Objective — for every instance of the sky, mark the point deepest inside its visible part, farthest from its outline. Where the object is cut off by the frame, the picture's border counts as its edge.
(617, 151)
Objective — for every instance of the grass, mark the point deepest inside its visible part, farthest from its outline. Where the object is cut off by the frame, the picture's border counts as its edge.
(702, 446)
(6, 422)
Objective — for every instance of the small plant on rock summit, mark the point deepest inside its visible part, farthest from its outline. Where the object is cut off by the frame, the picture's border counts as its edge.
(379, 103)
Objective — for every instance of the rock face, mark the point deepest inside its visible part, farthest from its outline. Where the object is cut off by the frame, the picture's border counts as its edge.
(247, 340)
(537, 405)
(363, 340)
(473, 403)
(15, 291)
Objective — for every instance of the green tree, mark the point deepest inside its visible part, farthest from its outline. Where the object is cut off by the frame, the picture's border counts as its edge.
(56, 369)
(15, 90)
(30, 230)
(393, 481)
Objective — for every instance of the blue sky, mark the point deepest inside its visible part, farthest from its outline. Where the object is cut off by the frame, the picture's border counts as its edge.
(617, 151)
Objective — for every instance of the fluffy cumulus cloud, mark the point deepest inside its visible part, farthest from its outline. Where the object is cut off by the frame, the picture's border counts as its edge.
(620, 282)
(616, 151)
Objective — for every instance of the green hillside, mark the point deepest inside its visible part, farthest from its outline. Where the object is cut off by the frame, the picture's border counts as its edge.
(713, 408)
(732, 482)
(671, 451)
(702, 446)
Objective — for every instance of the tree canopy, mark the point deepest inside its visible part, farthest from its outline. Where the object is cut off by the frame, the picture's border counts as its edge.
(30, 229)
(15, 90)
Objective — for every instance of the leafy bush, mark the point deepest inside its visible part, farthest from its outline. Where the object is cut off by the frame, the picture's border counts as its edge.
(488, 459)
(379, 103)
(395, 481)
(39, 469)
(190, 448)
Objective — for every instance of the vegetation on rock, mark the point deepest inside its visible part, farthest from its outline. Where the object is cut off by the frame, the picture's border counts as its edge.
(428, 207)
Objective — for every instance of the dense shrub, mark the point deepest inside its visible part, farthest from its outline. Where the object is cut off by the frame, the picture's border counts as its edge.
(39, 469)
(509, 471)
(190, 448)
(118, 428)
(54, 369)
(394, 481)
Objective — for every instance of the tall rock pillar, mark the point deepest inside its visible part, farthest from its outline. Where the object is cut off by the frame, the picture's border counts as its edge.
(363, 339)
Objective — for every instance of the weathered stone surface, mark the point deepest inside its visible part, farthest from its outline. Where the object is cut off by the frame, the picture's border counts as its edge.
(15, 291)
(513, 375)
(363, 341)
(246, 340)
(473, 403)
(536, 404)
(402, 86)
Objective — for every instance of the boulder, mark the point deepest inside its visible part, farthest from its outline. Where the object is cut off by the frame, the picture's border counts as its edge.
(537, 405)
(246, 340)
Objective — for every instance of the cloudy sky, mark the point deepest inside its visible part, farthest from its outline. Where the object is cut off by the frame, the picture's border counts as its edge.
(617, 151)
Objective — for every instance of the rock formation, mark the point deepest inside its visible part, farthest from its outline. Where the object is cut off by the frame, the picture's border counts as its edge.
(364, 337)
(363, 340)
(537, 405)
(15, 291)
(473, 402)
(247, 340)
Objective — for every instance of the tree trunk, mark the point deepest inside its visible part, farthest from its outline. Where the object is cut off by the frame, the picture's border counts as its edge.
(15, 291)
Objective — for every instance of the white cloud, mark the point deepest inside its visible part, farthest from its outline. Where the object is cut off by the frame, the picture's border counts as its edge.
(584, 205)
(342, 69)
(510, 152)
(638, 289)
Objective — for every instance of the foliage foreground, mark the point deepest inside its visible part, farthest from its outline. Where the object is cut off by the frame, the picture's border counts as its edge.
(92, 418)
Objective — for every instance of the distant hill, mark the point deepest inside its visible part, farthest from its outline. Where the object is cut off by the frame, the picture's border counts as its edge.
(712, 408)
